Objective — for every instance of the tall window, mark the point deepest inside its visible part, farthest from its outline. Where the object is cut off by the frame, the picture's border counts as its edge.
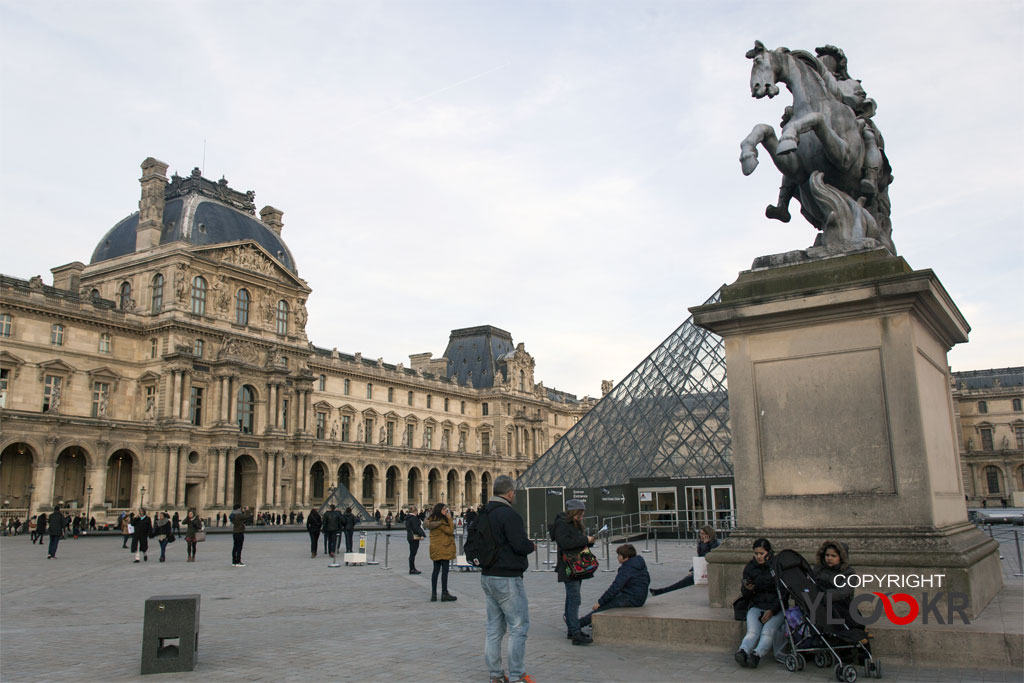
(446, 405)
(369, 390)
(246, 409)
(408, 435)
(284, 414)
(483, 409)
(429, 400)
(428, 437)
(485, 443)
(124, 295)
(5, 379)
(368, 427)
(57, 334)
(986, 438)
(51, 385)
(104, 342)
(157, 300)
(992, 477)
(100, 395)
(198, 295)
(982, 406)
(410, 398)
(152, 348)
(389, 433)
(197, 348)
(242, 307)
(195, 407)
(346, 425)
(321, 424)
(346, 387)
(1018, 433)
(323, 382)
(462, 407)
(1016, 401)
(391, 395)
(282, 317)
(5, 325)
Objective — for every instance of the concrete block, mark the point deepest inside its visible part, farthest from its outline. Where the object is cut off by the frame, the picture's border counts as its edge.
(170, 634)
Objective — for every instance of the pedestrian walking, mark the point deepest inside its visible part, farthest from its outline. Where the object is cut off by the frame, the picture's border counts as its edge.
(163, 531)
(142, 531)
(126, 529)
(32, 528)
(442, 549)
(567, 532)
(176, 524)
(313, 526)
(334, 523)
(240, 516)
(349, 528)
(376, 516)
(55, 524)
(41, 527)
(76, 526)
(389, 520)
(193, 525)
(414, 534)
(502, 583)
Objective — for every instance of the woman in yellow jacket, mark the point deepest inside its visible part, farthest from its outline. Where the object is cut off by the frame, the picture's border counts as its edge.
(442, 549)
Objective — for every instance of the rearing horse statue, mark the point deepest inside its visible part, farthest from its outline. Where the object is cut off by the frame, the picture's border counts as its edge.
(827, 155)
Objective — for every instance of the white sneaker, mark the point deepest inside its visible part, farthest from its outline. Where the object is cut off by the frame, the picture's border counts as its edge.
(240, 564)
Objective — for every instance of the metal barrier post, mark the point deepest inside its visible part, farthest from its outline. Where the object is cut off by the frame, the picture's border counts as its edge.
(536, 557)
(607, 561)
(376, 537)
(647, 540)
(334, 560)
(656, 547)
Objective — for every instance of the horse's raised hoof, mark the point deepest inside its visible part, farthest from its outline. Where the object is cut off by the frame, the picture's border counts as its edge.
(748, 162)
(786, 146)
(777, 213)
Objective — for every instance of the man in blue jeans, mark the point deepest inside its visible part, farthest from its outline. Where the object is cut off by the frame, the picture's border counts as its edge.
(507, 607)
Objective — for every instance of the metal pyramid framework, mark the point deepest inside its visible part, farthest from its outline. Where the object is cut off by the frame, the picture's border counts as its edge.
(668, 418)
(343, 498)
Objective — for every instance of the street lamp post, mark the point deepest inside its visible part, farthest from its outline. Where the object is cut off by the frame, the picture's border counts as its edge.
(142, 498)
(88, 502)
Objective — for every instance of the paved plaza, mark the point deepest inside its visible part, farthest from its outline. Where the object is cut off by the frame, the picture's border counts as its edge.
(288, 617)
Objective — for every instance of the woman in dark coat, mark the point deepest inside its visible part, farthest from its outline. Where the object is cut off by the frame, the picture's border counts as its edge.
(834, 561)
(313, 525)
(764, 610)
(163, 531)
(193, 525)
(706, 542)
(567, 533)
(143, 526)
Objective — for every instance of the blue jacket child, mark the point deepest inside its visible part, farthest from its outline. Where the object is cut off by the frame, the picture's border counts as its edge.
(629, 589)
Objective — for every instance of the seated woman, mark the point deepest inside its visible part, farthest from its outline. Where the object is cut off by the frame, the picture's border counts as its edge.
(706, 542)
(764, 610)
(629, 589)
(834, 561)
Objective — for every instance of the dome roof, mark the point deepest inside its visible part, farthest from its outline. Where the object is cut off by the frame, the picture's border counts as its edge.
(191, 215)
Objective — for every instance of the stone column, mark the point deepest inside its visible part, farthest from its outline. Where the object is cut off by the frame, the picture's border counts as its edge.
(279, 407)
(212, 471)
(268, 478)
(222, 411)
(43, 475)
(170, 478)
(179, 499)
(308, 407)
(232, 409)
(223, 493)
(276, 474)
(303, 474)
(229, 469)
(96, 477)
(401, 487)
(186, 395)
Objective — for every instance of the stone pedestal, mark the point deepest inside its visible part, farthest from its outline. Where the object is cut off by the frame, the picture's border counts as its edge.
(842, 422)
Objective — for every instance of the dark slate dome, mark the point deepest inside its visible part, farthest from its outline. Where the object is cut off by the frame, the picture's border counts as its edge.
(199, 212)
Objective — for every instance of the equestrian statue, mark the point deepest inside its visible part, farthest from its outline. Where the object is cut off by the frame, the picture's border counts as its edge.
(830, 152)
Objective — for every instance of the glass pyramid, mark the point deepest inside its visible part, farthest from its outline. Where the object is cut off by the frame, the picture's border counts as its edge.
(667, 418)
(343, 498)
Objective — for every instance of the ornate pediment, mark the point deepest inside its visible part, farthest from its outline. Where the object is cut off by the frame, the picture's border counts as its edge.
(105, 374)
(239, 350)
(9, 360)
(55, 367)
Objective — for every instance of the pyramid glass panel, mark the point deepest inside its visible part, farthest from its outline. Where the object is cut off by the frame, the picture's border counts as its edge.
(669, 417)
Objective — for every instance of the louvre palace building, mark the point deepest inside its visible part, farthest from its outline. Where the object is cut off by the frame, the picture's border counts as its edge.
(174, 371)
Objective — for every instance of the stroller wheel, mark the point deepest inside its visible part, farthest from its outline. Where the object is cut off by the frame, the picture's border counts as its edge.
(822, 659)
(800, 662)
(849, 673)
(878, 669)
(790, 663)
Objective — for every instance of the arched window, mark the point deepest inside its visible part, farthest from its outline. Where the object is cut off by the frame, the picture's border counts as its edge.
(246, 409)
(282, 317)
(124, 295)
(992, 477)
(157, 300)
(198, 295)
(242, 307)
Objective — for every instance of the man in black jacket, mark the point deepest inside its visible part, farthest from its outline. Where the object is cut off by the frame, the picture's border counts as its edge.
(56, 527)
(143, 526)
(349, 528)
(414, 534)
(333, 524)
(503, 584)
(239, 517)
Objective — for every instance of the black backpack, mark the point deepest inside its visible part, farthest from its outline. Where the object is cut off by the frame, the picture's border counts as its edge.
(481, 547)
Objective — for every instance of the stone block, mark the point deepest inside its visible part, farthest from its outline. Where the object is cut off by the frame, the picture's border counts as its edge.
(170, 634)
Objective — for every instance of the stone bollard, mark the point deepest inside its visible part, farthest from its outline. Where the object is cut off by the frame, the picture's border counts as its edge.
(170, 634)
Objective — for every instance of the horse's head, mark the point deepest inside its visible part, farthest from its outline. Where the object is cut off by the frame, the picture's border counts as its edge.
(762, 74)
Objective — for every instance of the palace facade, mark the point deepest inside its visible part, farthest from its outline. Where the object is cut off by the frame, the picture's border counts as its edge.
(174, 371)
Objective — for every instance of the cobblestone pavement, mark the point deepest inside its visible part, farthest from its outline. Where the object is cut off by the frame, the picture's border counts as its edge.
(287, 617)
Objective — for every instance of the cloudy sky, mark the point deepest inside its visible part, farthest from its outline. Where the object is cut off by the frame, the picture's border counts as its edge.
(567, 171)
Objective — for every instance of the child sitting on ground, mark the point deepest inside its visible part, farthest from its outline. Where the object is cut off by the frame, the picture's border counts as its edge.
(629, 589)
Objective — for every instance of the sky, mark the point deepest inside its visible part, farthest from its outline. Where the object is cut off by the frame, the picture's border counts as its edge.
(566, 171)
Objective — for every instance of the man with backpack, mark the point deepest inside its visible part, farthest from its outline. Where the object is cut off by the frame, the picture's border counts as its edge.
(498, 544)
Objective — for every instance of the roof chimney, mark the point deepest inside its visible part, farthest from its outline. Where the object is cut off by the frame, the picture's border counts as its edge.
(151, 205)
(271, 218)
(68, 276)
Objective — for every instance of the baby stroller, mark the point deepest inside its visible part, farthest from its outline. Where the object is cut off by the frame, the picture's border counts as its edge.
(808, 628)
